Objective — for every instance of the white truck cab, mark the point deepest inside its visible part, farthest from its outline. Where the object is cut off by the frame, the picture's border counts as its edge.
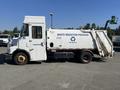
(32, 43)
(38, 44)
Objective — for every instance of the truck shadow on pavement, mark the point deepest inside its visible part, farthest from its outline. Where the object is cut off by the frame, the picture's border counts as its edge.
(73, 60)
(3, 60)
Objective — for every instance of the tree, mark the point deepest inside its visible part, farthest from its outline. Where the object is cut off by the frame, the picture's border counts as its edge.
(15, 30)
(101, 28)
(5, 32)
(98, 28)
(110, 33)
(87, 26)
(93, 26)
(117, 31)
(80, 27)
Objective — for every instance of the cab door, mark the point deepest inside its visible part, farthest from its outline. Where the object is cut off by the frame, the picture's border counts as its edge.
(37, 42)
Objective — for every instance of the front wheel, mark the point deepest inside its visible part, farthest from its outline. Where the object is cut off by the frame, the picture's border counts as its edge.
(85, 57)
(20, 58)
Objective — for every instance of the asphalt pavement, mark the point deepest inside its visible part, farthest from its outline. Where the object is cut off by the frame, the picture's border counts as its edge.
(97, 75)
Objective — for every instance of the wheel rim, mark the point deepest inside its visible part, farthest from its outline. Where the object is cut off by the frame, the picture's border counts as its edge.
(86, 58)
(21, 59)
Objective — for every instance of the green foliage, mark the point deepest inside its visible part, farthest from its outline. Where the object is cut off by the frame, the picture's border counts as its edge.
(5, 32)
(90, 26)
(93, 26)
(98, 28)
(15, 30)
(11, 32)
(110, 33)
(87, 26)
(113, 20)
(117, 31)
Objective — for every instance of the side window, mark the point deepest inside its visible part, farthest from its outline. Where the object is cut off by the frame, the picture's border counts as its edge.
(36, 32)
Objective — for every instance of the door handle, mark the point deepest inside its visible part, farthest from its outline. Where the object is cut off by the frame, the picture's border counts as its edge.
(42, 44)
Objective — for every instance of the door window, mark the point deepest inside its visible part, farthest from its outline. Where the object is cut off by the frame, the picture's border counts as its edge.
(25, 30)
(36, 32)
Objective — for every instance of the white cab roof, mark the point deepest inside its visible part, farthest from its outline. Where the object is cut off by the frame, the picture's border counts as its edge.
(34, 19)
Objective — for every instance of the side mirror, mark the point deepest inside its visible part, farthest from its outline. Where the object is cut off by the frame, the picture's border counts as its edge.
(23, 37)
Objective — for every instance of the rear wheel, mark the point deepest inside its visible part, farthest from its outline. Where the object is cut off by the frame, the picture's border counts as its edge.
(20, 58)
(85, 57)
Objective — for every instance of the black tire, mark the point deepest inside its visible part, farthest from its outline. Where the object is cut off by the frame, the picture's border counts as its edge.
(85, 57)
(20, 58)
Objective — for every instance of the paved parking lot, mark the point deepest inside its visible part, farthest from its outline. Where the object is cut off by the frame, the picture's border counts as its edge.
(61, 75)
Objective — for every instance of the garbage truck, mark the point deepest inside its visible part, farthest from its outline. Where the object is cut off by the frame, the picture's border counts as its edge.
(37, 43)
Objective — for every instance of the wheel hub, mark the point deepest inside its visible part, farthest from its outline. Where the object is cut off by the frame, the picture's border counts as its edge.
(21, 58)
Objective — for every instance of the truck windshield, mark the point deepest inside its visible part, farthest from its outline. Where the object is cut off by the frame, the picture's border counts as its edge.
(25, 30)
